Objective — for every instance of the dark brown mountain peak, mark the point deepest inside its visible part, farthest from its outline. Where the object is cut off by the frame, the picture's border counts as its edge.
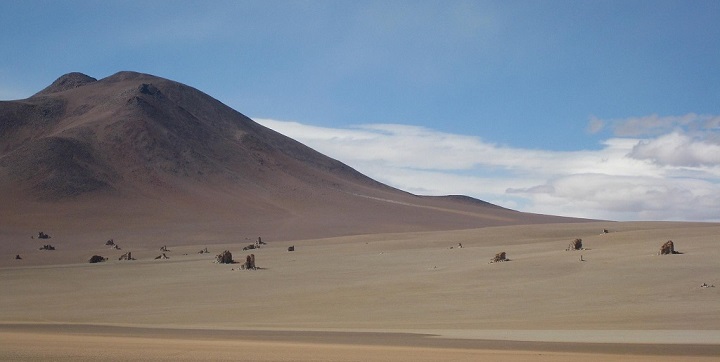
(68, 81)
(126, 75)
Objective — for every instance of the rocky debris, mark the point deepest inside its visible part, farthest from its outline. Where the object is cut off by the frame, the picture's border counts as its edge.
(42, 235)
(161, 256)
(203, 251)
(499, 257)
(575, 245)
(224, 258)
(116, 247)
(17, 257)
(668, 248)
(605, 231)
(291, 248)
(704, 285)
(47, 247)
(97, 259)
(110, 242)
(126, 256)
(459, 246)
(164, 248)
(250, 247)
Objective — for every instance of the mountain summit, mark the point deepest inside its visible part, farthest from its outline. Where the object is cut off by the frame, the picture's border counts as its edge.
(134, 147)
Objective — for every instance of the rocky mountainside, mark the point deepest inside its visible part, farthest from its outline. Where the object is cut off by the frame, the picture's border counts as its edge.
(169, 152)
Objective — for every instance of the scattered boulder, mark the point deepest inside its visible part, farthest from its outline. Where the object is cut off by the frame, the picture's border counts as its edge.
(249, 262)
(224, 258)
(164, 248)
(249, 247)
(126, 256)
(97, 259)
(575, 245)
(203, 251)
(499, 257)
(47, 247)
(17, 257)
(668, 248)
(161, 256)
(605, 231)
(291, 248)
(260, 242)
(42, 235)
(110, 242)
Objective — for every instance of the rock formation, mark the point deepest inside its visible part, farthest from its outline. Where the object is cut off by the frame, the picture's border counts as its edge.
(668, 248)
(499, 257)
(291, 248)
(17, 257)
(249, 262)
(42, 235)
(97, 259)
(161, 256)
(575, 245)
(224, 258)
(126, 256)
(110, 242)
(47, 247)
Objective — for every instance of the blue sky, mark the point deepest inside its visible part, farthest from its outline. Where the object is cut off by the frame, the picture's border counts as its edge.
(607, 109)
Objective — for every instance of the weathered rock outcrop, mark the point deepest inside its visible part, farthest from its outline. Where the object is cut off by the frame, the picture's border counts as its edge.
(224, 258)
(499, 257)
(97, 259)
(575, 245)
(668, 248)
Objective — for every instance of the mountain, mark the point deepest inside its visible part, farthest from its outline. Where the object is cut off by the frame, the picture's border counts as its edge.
(136, 151)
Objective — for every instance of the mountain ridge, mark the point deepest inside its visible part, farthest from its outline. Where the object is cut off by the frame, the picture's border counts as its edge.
(142, 141)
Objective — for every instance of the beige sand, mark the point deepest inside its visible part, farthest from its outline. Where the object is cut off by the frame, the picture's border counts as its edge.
(313, 303)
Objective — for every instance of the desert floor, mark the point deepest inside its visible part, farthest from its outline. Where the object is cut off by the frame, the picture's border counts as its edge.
(394, 297)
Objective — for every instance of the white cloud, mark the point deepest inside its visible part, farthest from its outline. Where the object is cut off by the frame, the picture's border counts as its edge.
(672, 177)
(678, 149)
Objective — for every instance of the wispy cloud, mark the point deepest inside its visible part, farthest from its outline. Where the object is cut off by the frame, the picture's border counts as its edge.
(654, 125)
(674, 176)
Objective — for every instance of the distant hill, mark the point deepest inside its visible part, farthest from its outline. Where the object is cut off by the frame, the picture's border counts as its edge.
(138, 151)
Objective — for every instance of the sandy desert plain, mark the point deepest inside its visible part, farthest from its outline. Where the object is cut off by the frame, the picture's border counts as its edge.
(413, 296)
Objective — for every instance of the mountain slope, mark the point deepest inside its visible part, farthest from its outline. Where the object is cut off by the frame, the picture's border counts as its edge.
(135, 149)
